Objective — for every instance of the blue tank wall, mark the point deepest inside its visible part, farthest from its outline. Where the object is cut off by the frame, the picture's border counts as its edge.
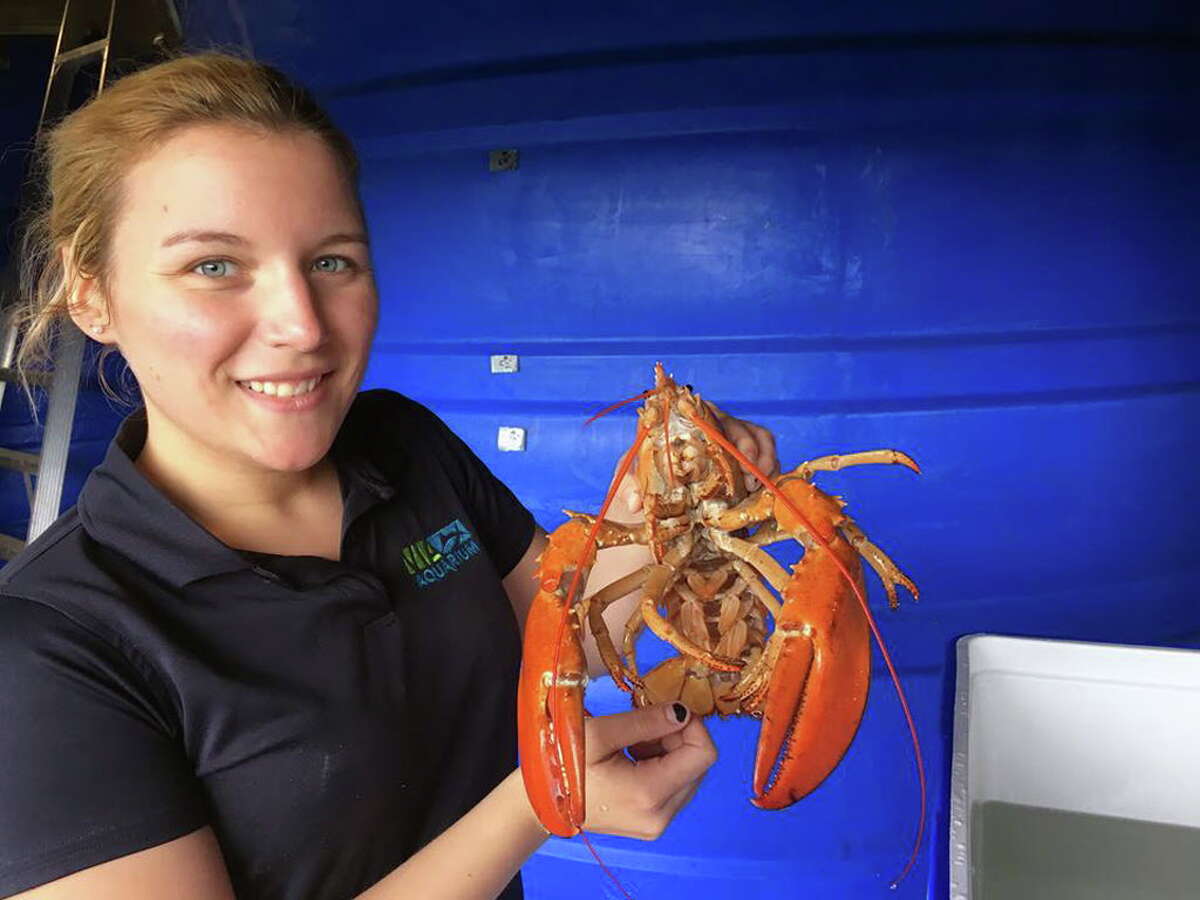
(943, 236)
(966, 231)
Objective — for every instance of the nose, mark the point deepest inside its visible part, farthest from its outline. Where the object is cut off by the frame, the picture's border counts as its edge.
(291, 313)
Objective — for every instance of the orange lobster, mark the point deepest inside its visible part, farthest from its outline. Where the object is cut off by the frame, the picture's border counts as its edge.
(706, 594)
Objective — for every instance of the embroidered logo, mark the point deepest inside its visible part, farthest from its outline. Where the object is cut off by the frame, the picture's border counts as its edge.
(441, 554)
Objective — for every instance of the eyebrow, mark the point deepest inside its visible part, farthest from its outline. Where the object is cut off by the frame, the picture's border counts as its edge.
(225, 237)
(345, 237)
(202, 237)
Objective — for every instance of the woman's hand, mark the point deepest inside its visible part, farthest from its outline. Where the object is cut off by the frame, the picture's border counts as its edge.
(756, 442)
(639, 799)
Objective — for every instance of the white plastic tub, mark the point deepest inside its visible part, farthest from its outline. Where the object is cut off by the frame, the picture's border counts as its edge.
(1059, 727)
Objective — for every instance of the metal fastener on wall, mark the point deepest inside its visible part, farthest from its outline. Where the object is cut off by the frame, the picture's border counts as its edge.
(510, 438)
(503, 160)
(505, 363)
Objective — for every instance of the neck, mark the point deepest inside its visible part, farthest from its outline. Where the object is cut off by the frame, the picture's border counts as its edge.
(231, 498)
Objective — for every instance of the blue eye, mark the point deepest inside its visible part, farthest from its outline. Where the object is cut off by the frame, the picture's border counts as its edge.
(214, 268)
(332, 264)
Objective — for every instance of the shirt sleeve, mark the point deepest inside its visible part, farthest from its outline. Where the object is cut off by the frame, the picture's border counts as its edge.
(505, 526)
(88, 769)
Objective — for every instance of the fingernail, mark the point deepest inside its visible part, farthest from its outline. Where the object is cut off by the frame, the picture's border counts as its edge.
(681, 711)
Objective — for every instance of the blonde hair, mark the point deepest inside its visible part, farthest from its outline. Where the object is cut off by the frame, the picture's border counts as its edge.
(81, 164)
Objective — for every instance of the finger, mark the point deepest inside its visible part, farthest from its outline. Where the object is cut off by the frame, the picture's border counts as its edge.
(677, 769)
(767, 460)
(681, 799)
(647, 749)
(671, 742)
(610, 734)
(749, 447)
(763, 455)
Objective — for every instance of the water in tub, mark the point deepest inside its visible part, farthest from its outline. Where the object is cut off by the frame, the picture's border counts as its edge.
(1030, 853)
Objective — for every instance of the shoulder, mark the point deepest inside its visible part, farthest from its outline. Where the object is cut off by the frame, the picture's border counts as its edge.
(91, 771)
(64, 561)
(61, 598)
(391, 417)
(41, 644)
(58, 663)
(390, 428)
(61, 537)
(384, 408)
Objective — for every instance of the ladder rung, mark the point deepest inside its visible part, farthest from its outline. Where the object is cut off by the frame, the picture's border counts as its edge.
(13, 377)
(10, 546)
(19, 460)
(81, 53)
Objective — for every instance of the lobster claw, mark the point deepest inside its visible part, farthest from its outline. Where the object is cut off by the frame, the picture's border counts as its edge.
(818, 684)
(550, 731)
(550, 719)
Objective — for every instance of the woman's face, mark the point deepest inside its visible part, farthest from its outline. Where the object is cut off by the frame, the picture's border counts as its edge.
(241, 295)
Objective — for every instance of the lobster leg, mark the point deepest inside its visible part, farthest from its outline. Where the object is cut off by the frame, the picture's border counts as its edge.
(772, 571)
(769, 533)
(835, 462)
(633, 628)
(597, 603)
(889, 573)
(754, 582)
(553, 675)
(657, 584)
(753, 682)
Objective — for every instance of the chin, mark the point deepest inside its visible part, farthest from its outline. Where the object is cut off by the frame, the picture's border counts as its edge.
(293, 465)
(294, 459)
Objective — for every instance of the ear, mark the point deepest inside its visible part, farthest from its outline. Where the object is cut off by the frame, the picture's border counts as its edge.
(86, 303)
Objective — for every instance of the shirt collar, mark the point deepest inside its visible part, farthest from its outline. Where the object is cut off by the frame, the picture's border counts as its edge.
(122, 509)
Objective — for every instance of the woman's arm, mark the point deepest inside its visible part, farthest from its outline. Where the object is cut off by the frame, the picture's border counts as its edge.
(187, 868)
(476, 856)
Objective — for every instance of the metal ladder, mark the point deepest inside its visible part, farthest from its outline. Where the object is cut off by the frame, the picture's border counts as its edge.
(92, 34)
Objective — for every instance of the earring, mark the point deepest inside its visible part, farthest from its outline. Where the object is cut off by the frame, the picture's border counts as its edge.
(96, 328)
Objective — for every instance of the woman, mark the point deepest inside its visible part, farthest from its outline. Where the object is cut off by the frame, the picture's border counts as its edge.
(223, 671)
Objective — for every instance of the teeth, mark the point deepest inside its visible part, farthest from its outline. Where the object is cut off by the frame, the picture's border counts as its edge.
(283, 388)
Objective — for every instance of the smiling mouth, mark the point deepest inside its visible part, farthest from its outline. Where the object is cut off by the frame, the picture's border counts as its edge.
(284, 388)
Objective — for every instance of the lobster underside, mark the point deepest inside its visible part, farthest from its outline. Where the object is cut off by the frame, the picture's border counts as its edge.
(789, 647)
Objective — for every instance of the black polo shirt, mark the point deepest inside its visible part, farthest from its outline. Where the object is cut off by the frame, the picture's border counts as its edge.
(327, 719)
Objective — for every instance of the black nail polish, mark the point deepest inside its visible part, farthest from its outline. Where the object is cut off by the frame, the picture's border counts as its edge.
(681, 712)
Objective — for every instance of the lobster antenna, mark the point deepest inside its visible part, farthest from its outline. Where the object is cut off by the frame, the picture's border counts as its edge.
(604, 412)
(770, 485)
(572, 588)
(666, 414)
